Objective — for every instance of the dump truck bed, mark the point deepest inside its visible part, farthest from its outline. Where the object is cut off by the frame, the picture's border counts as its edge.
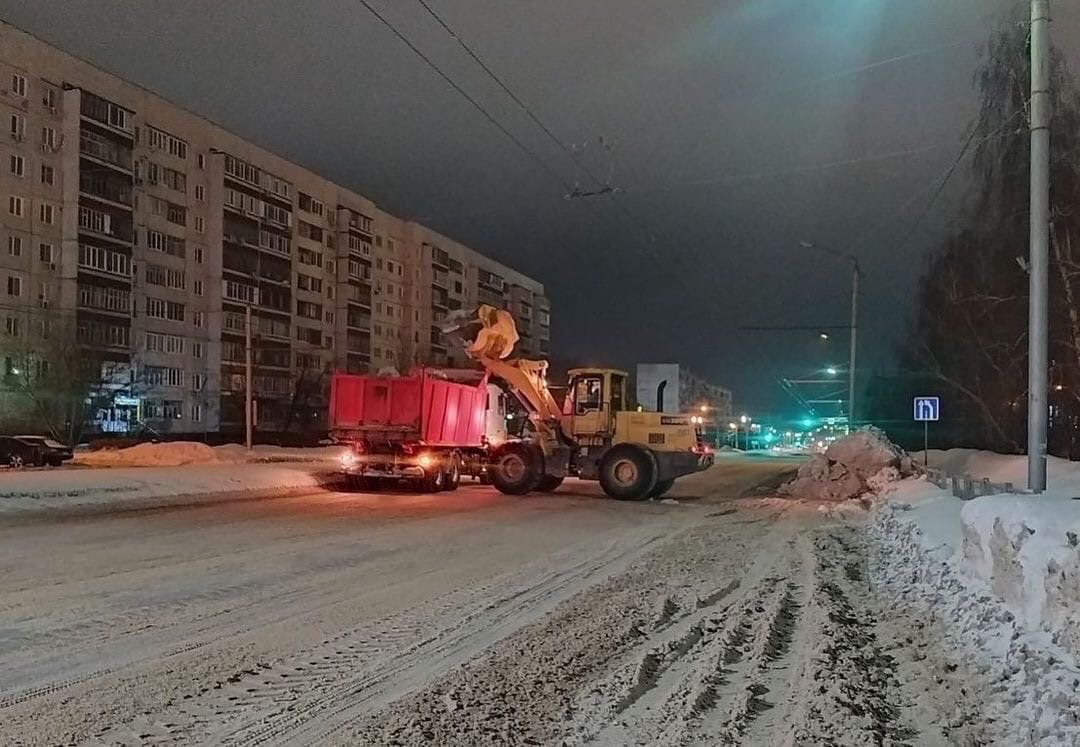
(427, 406)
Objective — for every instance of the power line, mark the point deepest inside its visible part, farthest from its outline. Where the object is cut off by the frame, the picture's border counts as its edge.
(427, 60)
(506, 89)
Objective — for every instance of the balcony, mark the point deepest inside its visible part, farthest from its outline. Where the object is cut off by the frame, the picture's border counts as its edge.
(272, 328)
(105, 152)
(113, 192)
(115, 118)
(490, 297)
(98, 223)
(441, 278)
(358, 320)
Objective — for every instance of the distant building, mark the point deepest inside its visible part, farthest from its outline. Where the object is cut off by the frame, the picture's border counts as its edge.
(150, 231)
(667, 387)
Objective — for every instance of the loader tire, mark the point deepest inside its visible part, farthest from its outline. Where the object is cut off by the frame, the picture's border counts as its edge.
(515, 469)
(549, 484)
(628, 472)
(661, 487)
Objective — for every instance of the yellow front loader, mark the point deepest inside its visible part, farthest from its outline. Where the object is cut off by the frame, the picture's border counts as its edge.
(593, 435)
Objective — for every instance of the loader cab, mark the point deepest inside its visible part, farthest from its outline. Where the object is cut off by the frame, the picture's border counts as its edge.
(592, 399)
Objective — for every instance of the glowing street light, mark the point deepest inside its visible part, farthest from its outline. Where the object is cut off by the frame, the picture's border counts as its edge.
(744, 419)
(824, 336)
(831, 370)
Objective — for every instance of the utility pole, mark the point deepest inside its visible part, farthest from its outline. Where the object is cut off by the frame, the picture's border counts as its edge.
(248, 409)
(854, 341)
(1038, 374)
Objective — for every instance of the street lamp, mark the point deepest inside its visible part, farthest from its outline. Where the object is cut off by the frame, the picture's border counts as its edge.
(854, 317)
(831, 370)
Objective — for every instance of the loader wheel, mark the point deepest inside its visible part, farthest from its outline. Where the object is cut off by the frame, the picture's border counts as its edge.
(515, 469)
(549, 484)
(453, 473)
(628, 473)
(661, 487)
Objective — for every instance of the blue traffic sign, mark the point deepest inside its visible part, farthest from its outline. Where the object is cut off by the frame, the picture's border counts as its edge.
(927, 409)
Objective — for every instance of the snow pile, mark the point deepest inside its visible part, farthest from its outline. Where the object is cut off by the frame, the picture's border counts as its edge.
(170, 454)
(1025, 549)
(180, 453)
(35, 490)
(862, 462)
(1035, 680)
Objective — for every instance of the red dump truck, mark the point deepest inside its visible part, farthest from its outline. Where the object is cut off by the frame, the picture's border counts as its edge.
(430, 427)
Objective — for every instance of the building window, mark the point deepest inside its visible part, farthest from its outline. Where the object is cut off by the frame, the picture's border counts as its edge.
(48, 174)
(200, 160)
(308, 310)
(18, 165)
(161, 343)
(46, 213)
(200, 224)
(198, 381)
(18, 127)
(49, 99)
(15, 206)
(176, 214)
(196, 413)
(198, 319)
(165, 277)
(196, 350)
(45, 252)
(18, 85)
(11, 326)
(14, 285)
(309, 283)
(157, 308)
(161, 140)
(14, 246)
(49, 139)
(198, 252)
(198, 287)
(200, 193)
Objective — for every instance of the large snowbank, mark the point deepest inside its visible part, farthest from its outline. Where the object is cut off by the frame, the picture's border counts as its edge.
(178, 453)
(860, 463)
(33, 490)
(1022, 548)
(1003, 572)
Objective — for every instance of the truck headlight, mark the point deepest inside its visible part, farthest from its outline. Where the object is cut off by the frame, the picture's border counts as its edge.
(348, 459)
(425, 461)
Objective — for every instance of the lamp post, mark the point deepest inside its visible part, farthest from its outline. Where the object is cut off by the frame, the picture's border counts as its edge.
(854, 319)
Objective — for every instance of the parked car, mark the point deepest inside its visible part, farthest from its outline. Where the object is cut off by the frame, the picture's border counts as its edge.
(27, 451)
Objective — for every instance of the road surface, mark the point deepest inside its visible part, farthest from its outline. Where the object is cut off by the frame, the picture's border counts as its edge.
(460, 618)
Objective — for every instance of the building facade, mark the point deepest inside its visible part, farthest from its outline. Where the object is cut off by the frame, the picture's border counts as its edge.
(156, 235)
(671, 388)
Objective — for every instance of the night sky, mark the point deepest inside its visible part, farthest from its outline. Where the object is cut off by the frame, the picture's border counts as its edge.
(741, 128)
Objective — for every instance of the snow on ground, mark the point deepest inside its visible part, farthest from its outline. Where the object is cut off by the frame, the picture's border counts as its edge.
(31, 490)
(178, 453)
(1004, 573)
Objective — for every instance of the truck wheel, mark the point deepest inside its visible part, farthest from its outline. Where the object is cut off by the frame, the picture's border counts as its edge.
(628, 473)
(453, 474)
(661, 487)
(434, 482)
(549, 484)
(515, 469)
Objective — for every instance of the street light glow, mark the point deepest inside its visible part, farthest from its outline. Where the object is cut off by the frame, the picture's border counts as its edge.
(744, 420)
(831, 370)
(824, 336)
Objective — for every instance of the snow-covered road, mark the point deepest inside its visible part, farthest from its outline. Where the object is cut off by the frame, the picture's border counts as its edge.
(464, 618)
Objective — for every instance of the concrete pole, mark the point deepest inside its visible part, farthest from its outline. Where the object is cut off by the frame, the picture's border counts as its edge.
(854, 342)
(247, 377)
(1038, 374)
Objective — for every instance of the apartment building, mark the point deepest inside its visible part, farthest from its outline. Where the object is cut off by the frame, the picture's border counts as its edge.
(160, 236)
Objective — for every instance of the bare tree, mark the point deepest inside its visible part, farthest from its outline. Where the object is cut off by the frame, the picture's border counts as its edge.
(971, 327)
(53, 381)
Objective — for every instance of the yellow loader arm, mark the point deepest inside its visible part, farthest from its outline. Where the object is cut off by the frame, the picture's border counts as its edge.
(493, 345)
